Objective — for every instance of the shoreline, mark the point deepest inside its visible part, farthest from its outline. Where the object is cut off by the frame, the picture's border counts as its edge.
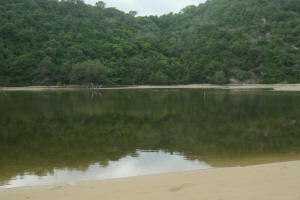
(267, 181)
(275, 87)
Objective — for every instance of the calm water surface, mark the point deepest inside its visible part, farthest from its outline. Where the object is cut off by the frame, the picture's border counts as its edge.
(55, 137)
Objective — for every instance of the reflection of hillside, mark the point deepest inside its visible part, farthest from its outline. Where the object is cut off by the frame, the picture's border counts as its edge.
(47, 130)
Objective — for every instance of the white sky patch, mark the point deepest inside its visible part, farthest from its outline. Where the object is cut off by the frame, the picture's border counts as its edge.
(149, 7)
(144, 164)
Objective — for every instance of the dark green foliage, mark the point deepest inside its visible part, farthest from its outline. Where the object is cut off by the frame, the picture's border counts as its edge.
(158, 78)
(248, 41)
(88, 72)
(219, 78)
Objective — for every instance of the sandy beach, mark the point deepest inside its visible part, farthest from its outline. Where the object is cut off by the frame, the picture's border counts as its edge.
(262, 182)
(276, 87)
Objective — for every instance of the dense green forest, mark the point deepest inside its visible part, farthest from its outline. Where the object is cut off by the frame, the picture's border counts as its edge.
(51, 42)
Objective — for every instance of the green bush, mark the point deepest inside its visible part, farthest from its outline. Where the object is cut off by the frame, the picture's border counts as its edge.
(89, 72)
(219, 78)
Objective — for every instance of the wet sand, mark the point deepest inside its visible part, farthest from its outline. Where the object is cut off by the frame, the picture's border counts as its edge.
(277, 87)
(276, 181)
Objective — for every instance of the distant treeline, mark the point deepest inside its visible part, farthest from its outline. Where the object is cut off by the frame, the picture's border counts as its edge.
(51, 42)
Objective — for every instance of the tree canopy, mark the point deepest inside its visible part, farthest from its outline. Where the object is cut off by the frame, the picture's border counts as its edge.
(219, 41)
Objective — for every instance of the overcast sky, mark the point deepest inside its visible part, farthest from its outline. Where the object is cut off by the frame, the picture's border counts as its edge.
(149, 7)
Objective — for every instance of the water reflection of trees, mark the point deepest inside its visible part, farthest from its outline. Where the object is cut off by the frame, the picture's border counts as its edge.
(47, 130)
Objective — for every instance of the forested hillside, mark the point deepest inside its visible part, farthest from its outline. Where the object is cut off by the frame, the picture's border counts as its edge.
(51, 42)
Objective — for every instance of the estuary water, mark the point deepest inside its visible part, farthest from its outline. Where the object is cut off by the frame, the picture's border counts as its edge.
(62, 137)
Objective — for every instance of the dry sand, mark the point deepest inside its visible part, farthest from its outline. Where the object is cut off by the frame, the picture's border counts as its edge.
(277, 87)
(279, 181)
